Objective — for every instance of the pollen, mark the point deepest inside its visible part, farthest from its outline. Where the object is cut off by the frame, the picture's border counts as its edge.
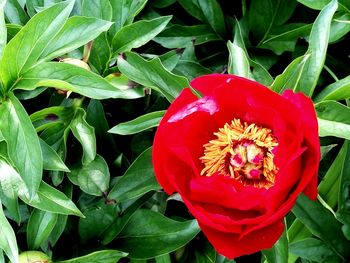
(243, 152)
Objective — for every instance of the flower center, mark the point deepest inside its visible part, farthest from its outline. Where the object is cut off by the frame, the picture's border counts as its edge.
(244, 152)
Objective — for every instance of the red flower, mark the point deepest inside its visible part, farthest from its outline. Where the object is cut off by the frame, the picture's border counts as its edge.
(239, 157)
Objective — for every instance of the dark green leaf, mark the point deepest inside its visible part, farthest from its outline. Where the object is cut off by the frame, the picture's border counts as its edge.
(279, 252)
(178, 36)
(92, 178)
(21, 135)
(8, 241)
(333, 119)
(193, 8)
(322, 224)
(101, 9)
(15, 13)
(137, 180)
(58, 229)
(213, 15)
(12, 30)
(162, 235)
(39, 227)
(51, 161)
(151, 74)
(103, 256)
(76, 32)
(35, 36)
(191, 69)
(171, 59)
(100, 53)
(314, 250)
(138, 33)
(69, 77)
(85, 134)
(318, 42)
(139, 124)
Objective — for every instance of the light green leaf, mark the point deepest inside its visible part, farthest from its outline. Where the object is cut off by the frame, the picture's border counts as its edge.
(138, 34)
(92, 178)
(69, 77)
(15, 13)
(178, 36)
(151, 74)
(339, 29)
(34, 5)
(130, 89)
(3, 29)
(103, 256)
(76, 32)
(318, 42)
(290, 77)
(333, 119)
(139, 124)
(8, 241)
(319, 4)
(39, 227)
(51, 200)
(85, 134)
(101, 9)
(137, 180)
(238, 62)
(21, 135)
(23, 51)
(52, 161)
(336, 91)
(124, 12)
(161, 234)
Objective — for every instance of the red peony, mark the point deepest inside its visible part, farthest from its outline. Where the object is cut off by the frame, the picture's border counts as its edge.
(239, 157)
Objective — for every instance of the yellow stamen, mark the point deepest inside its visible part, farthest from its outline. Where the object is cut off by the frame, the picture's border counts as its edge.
(242, 151)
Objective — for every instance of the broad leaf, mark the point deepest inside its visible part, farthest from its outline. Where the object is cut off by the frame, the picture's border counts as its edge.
(161, 234)
(15, 13)
(3, 29)
(39, 227)
(318, 42)
(92, 178)
(138, 34)
(85, 134)
(8, 241)
(103, 256)
(139, 124)
(213, 15)
(338, 90)
(23, 51)
(151, 74)
(21, 135)
(137, 180)
(52, 161)
(69, 77)
(314, 250)
(238, 61)
(101, 9)
(76, 32)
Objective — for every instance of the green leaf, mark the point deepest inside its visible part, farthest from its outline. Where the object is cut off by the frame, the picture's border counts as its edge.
(290, 77)
(318, 42)
(9, 189)
(333, 119)
(161, 234)
(69, 77)
(339, 29)
(52, 161)
(213, 15)
(76, 32)
(130, 89)
(178, 36)
(35, 36)
(8, 241)
(124, 12)
(139, 124)
(58, 230)
(238, 61)
(314, 250)
(12, 30)
(21, 135)
(15, 13)
(138, 33)
(92, 178)
(3, 29)
(279, 252)
(192, 8)
(338, 90)
(151, 74)
(137, 180)
(51, 200)
(319, 4)
(101, 9)
(39, 227)
(101, 53)
(34, 5)
(190, 69)
(85, 134)
(103, 256)
(322, 224)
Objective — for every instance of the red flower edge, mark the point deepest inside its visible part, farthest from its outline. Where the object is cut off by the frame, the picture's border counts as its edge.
(237, 219)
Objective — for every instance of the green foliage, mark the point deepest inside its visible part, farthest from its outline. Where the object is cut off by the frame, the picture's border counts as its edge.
(83, 86)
